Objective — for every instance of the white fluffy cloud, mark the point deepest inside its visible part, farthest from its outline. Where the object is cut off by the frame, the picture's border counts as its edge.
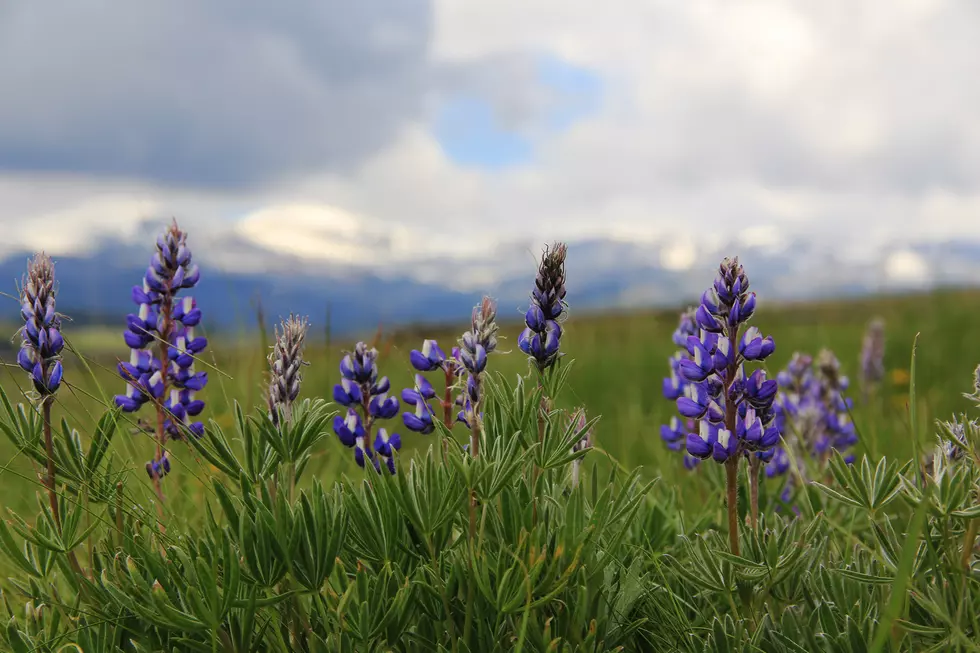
(757, 124)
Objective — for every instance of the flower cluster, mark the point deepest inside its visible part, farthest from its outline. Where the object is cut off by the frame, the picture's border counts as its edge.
(163, 344)
(873, 356)
(541, 339)
(474, 346)
(366, 397)
(674, 432)
(811, 408)
(41, 339)
(734, 409)
(285, 363)
(428, 359)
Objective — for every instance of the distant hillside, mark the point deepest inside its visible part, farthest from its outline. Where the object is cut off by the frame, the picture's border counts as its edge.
(602, 275)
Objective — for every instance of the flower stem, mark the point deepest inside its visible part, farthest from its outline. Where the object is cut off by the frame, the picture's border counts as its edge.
(475, 427)
(368, 422)
(475, 452)
(535, 472)
(49, 479)
(731, 469)
(447, 401)
(754, 464)
(447, 413)
(165, 325)
(731, 465)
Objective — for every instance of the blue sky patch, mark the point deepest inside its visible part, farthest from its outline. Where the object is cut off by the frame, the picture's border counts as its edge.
(576, 91)
(471, 134)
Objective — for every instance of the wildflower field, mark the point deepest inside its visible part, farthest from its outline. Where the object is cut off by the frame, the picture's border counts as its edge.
(739, 478)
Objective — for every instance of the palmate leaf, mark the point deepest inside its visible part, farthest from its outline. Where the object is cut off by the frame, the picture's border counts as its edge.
(429, 494)
(856, 485)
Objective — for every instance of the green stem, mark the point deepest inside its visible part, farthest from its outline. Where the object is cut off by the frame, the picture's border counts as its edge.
(731, 469)
(49, 479)
(450, 623)
(754, 465)
(731, 466)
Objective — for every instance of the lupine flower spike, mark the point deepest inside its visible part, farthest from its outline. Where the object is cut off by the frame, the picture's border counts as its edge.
(812, 413)
(164, 347)
(40, 352)
(674, 432)
(366, 397)
(285, 367)
(734, 409)
(428, 359)
(872, 358)
(541, 338)
(41, 339)
(474, 347)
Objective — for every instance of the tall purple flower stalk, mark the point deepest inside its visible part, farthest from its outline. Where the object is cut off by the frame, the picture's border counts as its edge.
(475, 346)
(812, 412)
(839, 432)
(431, 358)
(734, 408)
(41, 339)
(674, 432)
(40, 353)
(285, 367)
(541, 339)
(366, 397)
(164, 347)
(872, 357)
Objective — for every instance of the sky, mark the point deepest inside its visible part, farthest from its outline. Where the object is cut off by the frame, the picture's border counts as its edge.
(445, 140)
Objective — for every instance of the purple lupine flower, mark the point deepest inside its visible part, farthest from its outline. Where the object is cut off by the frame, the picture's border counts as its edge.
(811, 408)
(541, 338)
(41, 339)
(285, 365)
(427, 359)
(675, 386)
(158, 468)
(385, 446)
(873, 356)
(365, 394)
(422, 419)
(164, 346)
(734, 410)
(474, 347)
(674, 432)
(780, 463)
(840, 433)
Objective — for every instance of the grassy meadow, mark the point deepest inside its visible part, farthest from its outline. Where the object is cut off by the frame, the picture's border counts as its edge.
(619, 361)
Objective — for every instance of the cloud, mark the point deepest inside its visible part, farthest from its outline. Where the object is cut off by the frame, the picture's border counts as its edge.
(224, 93)
(906, 267)
(687, 130)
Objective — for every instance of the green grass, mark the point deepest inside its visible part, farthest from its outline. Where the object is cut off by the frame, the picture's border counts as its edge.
(499, 553)
(620, 359)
